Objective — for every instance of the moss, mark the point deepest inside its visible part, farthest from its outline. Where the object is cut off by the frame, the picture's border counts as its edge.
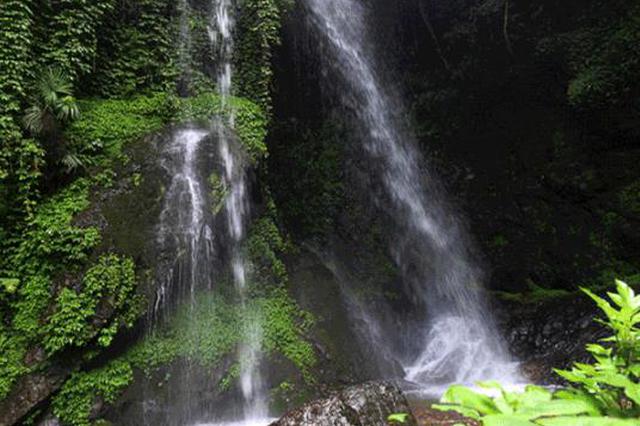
(264, 245)
(309, 185)
(285, 326)
(288, 395)
(211, 328)
(604, 60)
(619, 270)
(136, 180)
(232, 375)
(535, 294)
(249, 119)
(107, 125)
(218, 192)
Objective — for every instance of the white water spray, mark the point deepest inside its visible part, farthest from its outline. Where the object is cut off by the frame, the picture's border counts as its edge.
(458, 341)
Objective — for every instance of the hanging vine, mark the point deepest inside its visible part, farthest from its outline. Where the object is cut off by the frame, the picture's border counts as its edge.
(20, 158)
(259, 32)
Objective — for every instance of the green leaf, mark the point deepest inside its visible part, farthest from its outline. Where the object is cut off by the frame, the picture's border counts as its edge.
(467, 412)
(559, 407)
(398, 418)
(632, 390)
(466, 397)
(578, 395)
(10, 285)
(586, 421)
(506, 420)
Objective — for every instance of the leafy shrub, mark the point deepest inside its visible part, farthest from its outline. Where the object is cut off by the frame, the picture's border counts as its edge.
(111, 282)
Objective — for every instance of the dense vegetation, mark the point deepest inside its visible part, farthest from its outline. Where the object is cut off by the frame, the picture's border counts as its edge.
(82, 83)
(528, 109)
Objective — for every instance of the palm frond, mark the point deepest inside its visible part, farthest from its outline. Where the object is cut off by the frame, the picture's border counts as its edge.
(71, 162)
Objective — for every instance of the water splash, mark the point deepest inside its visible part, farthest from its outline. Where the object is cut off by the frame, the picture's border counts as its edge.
(457, 342)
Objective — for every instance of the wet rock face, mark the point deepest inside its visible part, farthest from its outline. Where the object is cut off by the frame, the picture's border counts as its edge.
(551, 334)
(368, 404)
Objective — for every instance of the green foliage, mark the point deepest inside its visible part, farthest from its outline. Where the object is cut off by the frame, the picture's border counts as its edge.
(534, 406)
(135, 49)
(70, 38)
(629, 198)
(109, 286)
(249, 119)
(397, 418)
(604, 59)
(259, 32)
(604, 393)
(43, 310)
(48, 245)
(13, 350)
(210, 329)
(74, 403)
(107, 125)
(20, 159)
(285, 326)
(311, 193)
(52, 105)
(264, 246)
(613, 380)
(535, 294)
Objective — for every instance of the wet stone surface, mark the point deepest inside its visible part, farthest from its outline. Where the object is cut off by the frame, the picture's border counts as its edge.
(368, 404)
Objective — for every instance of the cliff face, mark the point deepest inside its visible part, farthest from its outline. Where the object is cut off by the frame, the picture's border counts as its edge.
(528, 111)
(520, 108)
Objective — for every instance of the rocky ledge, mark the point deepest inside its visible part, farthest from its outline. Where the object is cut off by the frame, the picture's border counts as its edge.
(368, 404)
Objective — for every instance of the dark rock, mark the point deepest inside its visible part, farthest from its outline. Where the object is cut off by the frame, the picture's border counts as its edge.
(30, 391)
(368, 404)
(429, 417)
(49, 421)
(550, 334)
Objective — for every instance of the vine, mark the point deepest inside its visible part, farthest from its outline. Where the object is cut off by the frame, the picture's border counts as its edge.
(135, 49)
(20, 158)
(259, 32)
(72, 35)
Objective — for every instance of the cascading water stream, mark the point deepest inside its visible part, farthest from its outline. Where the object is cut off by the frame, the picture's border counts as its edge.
(185, 229)
(237, 212)
(457, 342)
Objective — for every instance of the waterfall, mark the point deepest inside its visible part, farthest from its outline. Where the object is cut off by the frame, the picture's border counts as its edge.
(457, 341)
(185, 230)
(194, 240)
(236, 208)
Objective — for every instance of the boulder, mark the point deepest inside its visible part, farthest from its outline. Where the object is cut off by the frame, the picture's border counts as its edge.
(368, 404)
